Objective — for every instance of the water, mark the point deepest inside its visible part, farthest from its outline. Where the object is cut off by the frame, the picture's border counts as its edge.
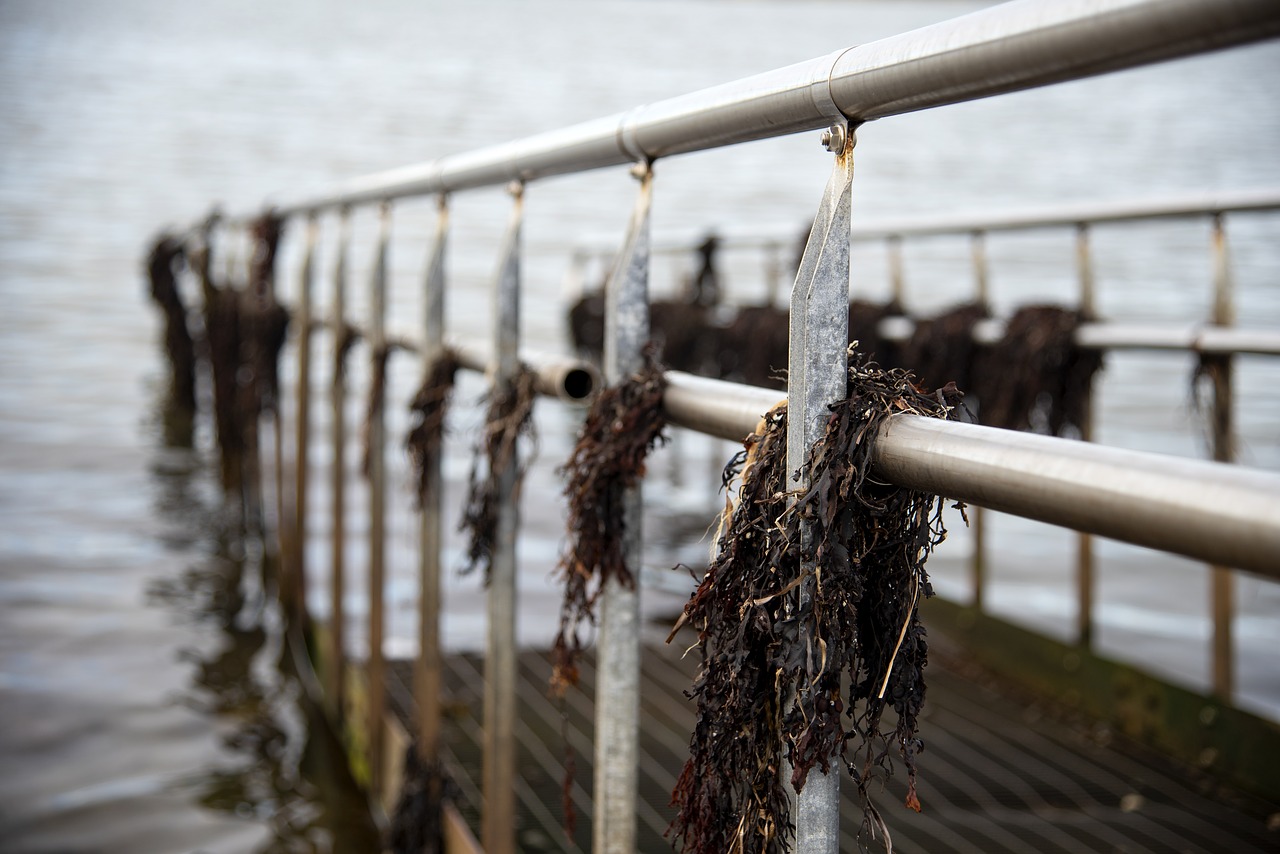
(115, 727)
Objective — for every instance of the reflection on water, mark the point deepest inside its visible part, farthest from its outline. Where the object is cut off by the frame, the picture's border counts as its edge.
(286, 769)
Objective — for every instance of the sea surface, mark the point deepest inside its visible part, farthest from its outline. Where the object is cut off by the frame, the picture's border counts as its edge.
(146, 703)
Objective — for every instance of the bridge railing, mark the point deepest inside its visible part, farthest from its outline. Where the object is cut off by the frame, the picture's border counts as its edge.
(1222, 514)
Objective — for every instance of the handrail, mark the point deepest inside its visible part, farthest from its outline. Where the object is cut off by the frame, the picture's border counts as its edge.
(1006, 48)
(1219, 513)
(782, 236)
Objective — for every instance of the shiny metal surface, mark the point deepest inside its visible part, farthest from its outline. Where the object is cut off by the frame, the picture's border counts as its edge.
(1006, 48)
(1210, 511)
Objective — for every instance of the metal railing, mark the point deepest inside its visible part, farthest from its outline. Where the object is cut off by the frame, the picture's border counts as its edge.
(1002, 49)
(1216, 337)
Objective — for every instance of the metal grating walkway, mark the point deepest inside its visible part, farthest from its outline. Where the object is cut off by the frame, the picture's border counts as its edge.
(994, 777)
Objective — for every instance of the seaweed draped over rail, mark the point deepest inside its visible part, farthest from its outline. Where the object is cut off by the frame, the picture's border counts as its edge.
(625, 423)
(856, 547)
(508, 417)
(428, 408)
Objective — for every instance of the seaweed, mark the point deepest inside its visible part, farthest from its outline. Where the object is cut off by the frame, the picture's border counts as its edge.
(586, 325)
(624, 424)
(164, 262)
(508, 417)
(808, 589)
(1036, 377)
(753, 347)
(864, 328)
(942, 349)
(428, 408)
(704, 288)
(416, 824)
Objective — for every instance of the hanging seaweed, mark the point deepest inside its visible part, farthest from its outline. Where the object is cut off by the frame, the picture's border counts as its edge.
(864, 327)
(941, 349)
(428, 408)
(1214, 370)
(586, 325)
(346, 339)
(508, 417)
(624, 424)
(377, 397)
(164, 262)
(1036, 377)
(857, 548)
(265, 328)
(266, 232)
(753, 347)
(417, 825)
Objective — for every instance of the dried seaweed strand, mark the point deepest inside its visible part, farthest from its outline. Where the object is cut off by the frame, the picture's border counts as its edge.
(864, 544)
(509, 416)
(624, 424)
(429, 407)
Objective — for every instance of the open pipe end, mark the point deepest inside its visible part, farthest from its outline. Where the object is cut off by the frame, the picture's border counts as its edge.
(578, 384)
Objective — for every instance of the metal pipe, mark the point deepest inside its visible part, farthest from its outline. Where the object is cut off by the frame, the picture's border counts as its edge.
(1197, 338)
(429, 668)
(499, 760)
(1085, 569)
(978, 518)
(302, 422)
(377, 509)
(1222, 579)
(1209, 511)
(566, 378)
(819, 338)
(617, 719)
(1006, 48)
(338, 523)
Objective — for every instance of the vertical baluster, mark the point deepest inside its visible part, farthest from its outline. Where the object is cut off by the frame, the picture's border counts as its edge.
(817, 362)
(1223, 580)
(618, 680)
(296, 565)
(377, 507)
(427, 679)
(897, 279)
(978, 515)
(338, 474)
(500, 659)
(1084, 542)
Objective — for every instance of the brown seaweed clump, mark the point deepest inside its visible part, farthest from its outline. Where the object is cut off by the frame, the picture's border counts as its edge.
(1036, 377)
(417, 824)
(941, 349)
(429, 407)
(856, 549)
(163, 264)
(508, 417)
(624, 424)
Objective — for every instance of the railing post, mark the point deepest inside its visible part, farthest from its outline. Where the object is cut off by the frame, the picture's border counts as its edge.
(977, 514)
(500, 658)
(1085, 569)
(302, 423)
(377, 505)
(897, 279)
(337, 675)
(1223, 579)
(427, 679)
(817, 365)
(618, 681)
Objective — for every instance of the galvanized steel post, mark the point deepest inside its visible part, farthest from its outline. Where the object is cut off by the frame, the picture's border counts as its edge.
(427, 678)
(338, 475)
(817, 364)
(1084, 541)
(302, 423)
(377, 505)
(499, 762)
(1223, 580)
(978, 515)
(618, 680)
(897, 280)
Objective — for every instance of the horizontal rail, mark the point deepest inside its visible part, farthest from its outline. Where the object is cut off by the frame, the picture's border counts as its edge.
(563, 377)
(1222, 514)
(1196, 338)
(1006, 48)
(1182, 206)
